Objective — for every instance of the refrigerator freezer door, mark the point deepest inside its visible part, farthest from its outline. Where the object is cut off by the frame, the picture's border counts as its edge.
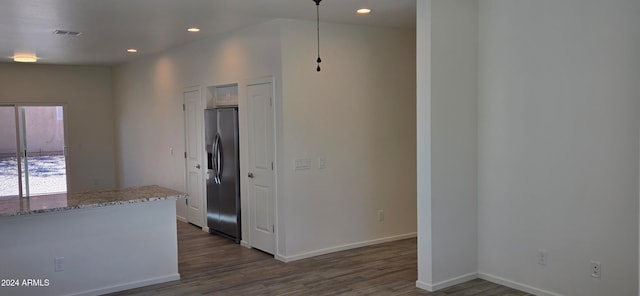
(228, 171)
(223, 181)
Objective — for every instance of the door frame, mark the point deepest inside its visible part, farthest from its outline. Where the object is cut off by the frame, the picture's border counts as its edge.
(246, 219)
(200, 143)
(18, 126)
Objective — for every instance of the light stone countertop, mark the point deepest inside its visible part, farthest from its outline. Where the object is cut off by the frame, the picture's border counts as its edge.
(15, 206)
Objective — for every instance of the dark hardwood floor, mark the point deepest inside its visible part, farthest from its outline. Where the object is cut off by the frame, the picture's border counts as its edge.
(211, 265)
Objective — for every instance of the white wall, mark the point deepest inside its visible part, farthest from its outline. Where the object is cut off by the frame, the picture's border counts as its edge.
(104, 249)
(423, 144)
(358, 113)
(87, 93)
(447, 137)
(454, 138)
(148, 101)
(558, 143)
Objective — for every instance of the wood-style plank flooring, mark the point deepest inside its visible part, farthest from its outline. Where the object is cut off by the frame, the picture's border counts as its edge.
(211, 265)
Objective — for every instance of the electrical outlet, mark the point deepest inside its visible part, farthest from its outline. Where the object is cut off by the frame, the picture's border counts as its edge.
(380, 215)
(58, 264)
(596, 269)
(542, 257)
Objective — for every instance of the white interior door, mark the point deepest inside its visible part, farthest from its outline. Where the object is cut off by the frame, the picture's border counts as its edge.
(261, 174)
(193, 122)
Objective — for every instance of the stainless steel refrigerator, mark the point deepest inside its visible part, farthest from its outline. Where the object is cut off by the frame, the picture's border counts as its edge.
(223, 172)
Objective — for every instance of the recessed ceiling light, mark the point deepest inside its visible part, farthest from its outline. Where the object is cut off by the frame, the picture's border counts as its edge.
(132, 50)
(363, 11)
(25, 58)
(193, 30)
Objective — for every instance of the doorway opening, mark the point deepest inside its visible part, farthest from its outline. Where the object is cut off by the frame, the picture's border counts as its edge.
(32, 150)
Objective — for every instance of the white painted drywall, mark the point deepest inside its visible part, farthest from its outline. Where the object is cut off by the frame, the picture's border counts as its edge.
(87, 93)
(359, 114)
(148, 102)
(454, 62)
(104, 249)
(558, 144)
(423, 144)
(447, 100)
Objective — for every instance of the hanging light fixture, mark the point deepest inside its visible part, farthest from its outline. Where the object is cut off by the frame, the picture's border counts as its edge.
(319, 60)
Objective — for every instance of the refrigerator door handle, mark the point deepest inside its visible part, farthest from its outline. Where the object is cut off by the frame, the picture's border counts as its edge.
(215, 162)
(218, 160)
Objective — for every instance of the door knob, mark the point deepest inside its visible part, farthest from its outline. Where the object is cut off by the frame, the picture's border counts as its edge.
(197, 166)
(250, 175)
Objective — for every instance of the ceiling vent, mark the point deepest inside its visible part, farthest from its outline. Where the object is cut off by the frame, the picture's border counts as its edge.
(65, 32)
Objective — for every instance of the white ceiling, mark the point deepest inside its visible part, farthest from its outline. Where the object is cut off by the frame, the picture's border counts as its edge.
(109, 27)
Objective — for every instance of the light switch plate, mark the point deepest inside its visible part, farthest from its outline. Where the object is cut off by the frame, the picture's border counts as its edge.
(322, 163)
(302, 164)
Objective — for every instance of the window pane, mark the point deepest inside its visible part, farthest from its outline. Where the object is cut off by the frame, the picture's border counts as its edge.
(9, 186)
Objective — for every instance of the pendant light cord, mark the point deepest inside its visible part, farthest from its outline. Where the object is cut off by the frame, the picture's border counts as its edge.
(319, 60)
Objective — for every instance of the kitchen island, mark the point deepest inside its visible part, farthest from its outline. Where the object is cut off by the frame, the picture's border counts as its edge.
(88, 243)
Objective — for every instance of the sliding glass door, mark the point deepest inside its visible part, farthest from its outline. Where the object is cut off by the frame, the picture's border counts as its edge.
(37, 163)
(9, 169)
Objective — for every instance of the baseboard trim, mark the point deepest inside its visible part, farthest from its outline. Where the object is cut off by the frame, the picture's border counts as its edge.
(206, 229)
(454, 281)
(486, 277)
(280, 258)
(447, 283)
(130, 285)
(344, 247)
(516, 285)
(182, 219)
(424, 286)
(245, 244)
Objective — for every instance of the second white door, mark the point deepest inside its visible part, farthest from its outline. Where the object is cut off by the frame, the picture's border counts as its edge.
(261, 174)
